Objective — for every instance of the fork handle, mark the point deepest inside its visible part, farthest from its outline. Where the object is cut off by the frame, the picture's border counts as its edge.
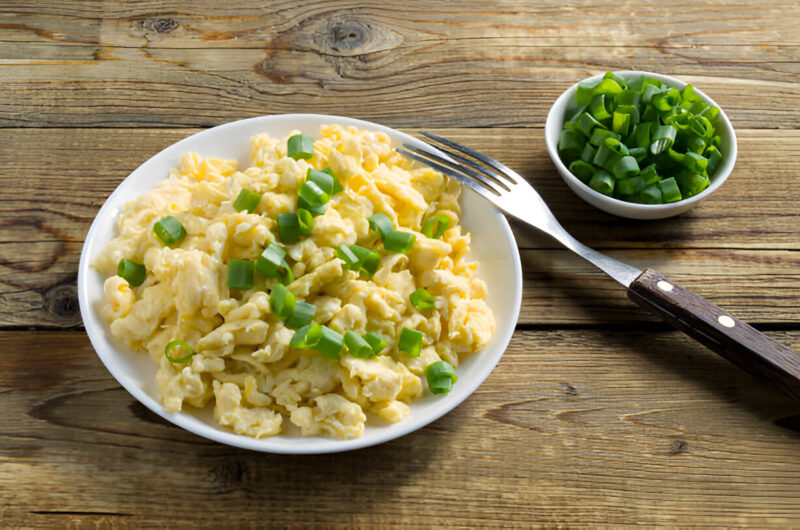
(736, 341)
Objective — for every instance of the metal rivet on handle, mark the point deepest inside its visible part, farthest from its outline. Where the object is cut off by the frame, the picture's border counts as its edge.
(664, 286)
(726, 321)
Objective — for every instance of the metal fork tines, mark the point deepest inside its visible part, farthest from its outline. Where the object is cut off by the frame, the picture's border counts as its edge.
(509, 192)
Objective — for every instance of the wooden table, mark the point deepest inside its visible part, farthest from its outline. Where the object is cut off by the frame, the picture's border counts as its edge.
(597, 413)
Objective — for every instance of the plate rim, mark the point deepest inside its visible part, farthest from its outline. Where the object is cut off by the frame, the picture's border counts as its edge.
(188, 421)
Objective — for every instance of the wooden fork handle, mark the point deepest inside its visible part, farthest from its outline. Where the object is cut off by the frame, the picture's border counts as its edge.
(736, 341)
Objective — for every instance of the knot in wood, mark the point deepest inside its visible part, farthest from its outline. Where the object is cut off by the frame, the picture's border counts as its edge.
(159, 25)
(61, 301)
(347, 36)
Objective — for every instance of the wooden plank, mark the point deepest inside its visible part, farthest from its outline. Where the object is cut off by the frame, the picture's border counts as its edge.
(135, 65)
(738, 248)
(572, 428)
(253, 24)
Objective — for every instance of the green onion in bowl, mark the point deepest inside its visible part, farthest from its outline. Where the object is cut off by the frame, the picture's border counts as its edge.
(639, 144)
(623, 137)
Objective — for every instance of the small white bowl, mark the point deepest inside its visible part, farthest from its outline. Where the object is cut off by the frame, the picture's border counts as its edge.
(555, 124)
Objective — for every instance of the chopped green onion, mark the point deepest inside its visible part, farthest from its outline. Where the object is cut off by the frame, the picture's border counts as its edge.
(630, 186)
(301, 316)
(584, 94)
(312, 209)
(714, 158)
(691, 183)
(132, 272)
(629, 97)
(582, 170)
(669, 190)
(247, 200)
(621, 82)
(441, 377)
(642, 134)
(422, 299)
(346, 254)
(570, 145)
(600, 108)
(587, 123)
(323, 179)
(599, 136)
(399, 242)
(376, 342)
(240, 274)
(625, 167)
(639, 122)
(639, 153)
(651, 195)
(179, 344)
(368, 260)
(663, 138)
(608, 86)
(288, 228)
(320, 338)
(169, 230)
(300, 146)
(436, 226)
(306, 337)
(359, 259)
(410, 342)
(306, 221)
(602, 182)
(650, 174)
(665, 101)
(381, 224)
(330, 343)
(615, 146)
(282, 302)
(272, 263)
(620, 123)
(312, 194)
(588, 153)
(337, 186)
(357, 345)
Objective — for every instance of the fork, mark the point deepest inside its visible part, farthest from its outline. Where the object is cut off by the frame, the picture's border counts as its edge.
(736, 341)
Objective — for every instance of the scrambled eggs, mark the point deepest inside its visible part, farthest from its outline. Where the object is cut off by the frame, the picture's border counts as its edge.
(244, 362)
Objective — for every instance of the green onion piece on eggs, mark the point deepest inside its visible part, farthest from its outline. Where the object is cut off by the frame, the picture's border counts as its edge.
(301, 316)
(377, 342)
(410, 342)
(422, 299)
(169, 230)
(246, 200)
(272, 264)
(132, 272)
(300, 146)
(436, 226)
(282, 302)
(441, 377)
(179, 344)
(240, 274)
(358, 345)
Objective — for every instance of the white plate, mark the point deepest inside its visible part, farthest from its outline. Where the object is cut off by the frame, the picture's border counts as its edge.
(493, 246)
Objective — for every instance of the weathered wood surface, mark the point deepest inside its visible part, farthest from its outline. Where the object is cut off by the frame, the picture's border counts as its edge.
(739, 249)
(572, 427)
(596, 415)
(144, 64)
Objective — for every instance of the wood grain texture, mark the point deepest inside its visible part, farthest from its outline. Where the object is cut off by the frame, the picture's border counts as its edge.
(145, 64)
(595, 416)
(572, 427)
(739, 248)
